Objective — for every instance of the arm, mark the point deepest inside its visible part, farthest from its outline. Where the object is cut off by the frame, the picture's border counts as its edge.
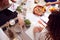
(49, 3)
(13, 0)
(58, 2)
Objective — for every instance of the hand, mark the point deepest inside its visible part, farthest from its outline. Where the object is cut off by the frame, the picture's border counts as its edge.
(37, 29)
(49, 3)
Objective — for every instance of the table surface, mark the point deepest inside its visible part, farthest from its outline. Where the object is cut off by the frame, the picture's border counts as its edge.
(33, 18)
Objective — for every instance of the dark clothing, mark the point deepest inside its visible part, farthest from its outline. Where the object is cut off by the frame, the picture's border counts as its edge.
(6, 15)
(50, 0)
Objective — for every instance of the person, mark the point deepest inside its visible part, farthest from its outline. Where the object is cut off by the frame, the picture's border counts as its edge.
(53, 25)
(5, 13)
(51, 32)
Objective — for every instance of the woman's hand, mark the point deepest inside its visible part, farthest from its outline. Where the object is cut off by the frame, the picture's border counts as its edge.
(37, 29)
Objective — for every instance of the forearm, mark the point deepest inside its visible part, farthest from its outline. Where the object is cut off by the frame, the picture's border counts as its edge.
(57, 2)
(13, 0)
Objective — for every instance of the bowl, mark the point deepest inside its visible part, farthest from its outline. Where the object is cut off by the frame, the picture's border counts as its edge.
(39, 10)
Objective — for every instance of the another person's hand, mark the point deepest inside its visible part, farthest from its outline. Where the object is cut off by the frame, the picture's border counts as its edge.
(49, 3)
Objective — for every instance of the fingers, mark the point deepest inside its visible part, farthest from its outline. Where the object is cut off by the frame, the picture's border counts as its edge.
(37, 29)
(41, 22)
